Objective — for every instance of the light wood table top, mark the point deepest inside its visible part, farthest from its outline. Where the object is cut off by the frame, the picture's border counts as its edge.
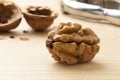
(30, 60)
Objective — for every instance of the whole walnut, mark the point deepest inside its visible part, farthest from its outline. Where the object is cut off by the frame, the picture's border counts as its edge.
(71, 44)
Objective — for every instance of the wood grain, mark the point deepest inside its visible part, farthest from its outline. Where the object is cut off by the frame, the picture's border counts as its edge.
(30, 60)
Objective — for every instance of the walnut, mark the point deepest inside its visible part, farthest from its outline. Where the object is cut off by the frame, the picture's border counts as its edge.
(24, 38)
(12, 36)
(10, 15)
(39, 17)
(69, 43)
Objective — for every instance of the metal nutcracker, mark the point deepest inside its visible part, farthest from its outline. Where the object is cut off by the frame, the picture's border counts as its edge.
(80, 8)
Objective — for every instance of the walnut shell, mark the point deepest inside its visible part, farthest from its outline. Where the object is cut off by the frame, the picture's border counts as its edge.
(69, 43)
(10, 15)
(39, 18)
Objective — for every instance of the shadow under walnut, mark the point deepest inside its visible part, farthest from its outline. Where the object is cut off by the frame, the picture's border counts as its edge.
(71, 44)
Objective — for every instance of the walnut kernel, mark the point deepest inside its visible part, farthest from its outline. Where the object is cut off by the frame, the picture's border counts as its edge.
(70, 43)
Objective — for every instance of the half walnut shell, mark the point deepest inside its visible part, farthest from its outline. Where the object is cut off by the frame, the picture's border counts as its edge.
(70, 43)
(10, 15)
(39, 18)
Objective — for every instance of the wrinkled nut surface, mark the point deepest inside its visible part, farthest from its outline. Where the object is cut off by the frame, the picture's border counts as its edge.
(10, 15)
(39, 18)
(69, 43)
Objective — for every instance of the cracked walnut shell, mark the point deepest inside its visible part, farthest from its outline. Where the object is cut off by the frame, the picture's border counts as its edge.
(39, 18)
(10, 15)
(70, 43)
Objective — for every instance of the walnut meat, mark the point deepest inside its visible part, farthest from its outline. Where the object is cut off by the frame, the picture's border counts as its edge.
(69, 43)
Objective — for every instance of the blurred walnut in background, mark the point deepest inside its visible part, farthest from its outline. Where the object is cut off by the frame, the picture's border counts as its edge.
(38, 17)
(69, 43)
(10, 15)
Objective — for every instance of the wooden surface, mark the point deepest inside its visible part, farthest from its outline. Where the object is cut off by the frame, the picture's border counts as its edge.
(30, 60)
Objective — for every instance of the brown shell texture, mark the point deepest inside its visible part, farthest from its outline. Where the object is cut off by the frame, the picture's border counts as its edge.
(69, 43)
(39, 18)
(10, 15)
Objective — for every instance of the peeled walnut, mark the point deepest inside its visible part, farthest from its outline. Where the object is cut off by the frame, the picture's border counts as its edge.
(10, 15)
(69, 43)
(39, 18)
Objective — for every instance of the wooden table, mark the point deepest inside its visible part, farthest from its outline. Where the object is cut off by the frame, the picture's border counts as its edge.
(30, 60)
